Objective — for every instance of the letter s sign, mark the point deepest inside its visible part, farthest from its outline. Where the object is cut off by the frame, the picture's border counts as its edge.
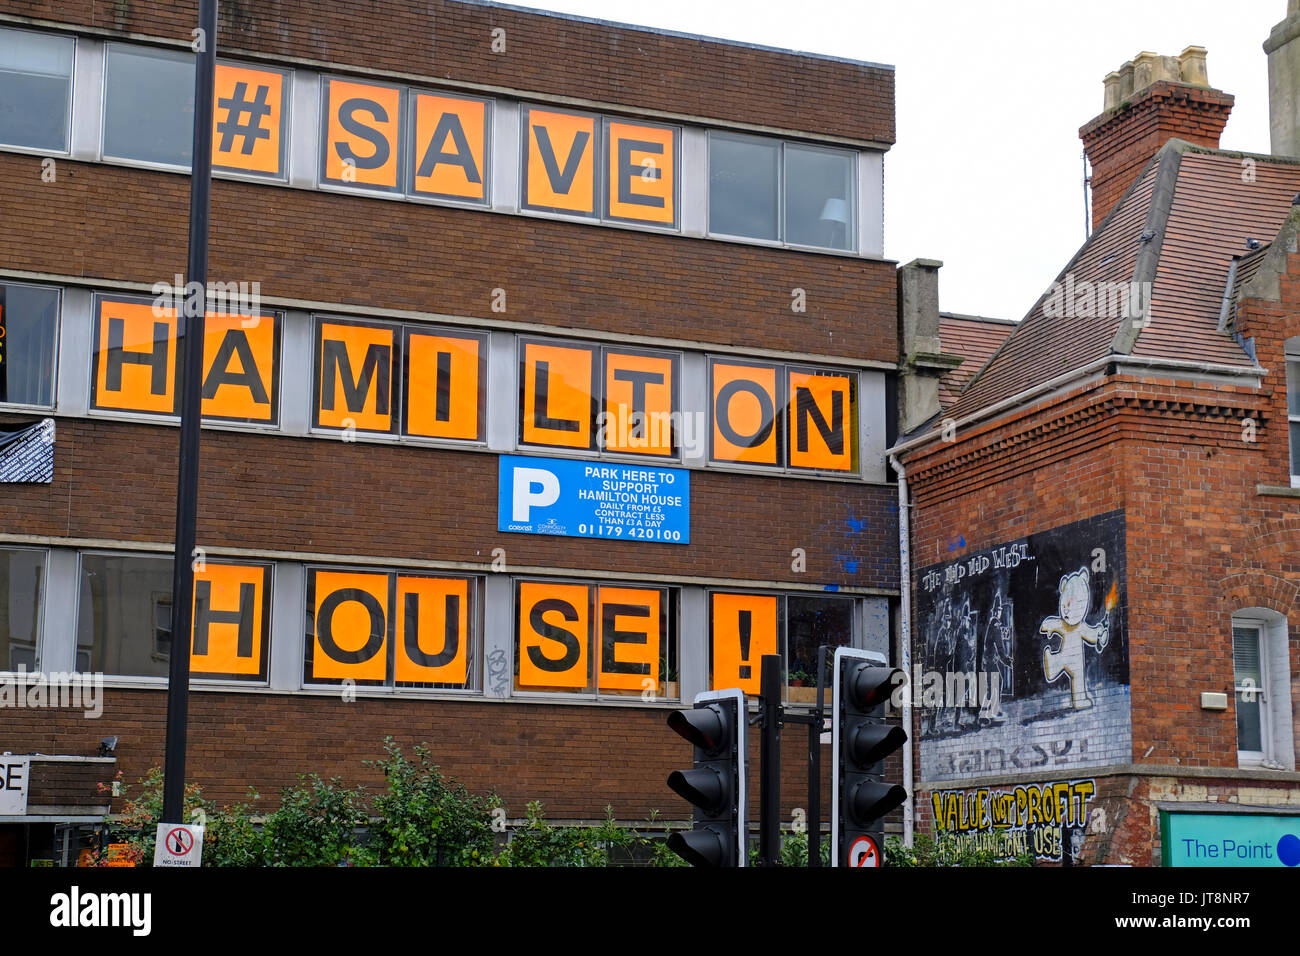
(533, 488)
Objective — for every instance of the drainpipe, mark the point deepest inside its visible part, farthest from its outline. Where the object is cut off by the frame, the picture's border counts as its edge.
(905, 643)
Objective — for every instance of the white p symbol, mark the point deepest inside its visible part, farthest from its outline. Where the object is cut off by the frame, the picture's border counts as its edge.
(527, 479)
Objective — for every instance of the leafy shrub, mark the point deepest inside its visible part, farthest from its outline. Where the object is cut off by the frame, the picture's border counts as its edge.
(946, 850)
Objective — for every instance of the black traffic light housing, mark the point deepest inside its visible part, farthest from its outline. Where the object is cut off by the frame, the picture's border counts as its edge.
(861, 740)
(715, 786)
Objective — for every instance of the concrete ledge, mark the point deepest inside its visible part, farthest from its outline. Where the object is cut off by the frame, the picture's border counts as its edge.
(1114, 770)
(1277, 491)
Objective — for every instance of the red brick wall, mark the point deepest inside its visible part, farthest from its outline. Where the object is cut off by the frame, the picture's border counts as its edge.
(273, 492)
(445, 39)
(131, 225)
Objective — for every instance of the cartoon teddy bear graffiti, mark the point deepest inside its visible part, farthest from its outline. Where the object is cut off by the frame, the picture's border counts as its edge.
(1074, 631)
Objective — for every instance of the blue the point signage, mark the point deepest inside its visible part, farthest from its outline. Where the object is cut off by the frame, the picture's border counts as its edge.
(594, 499)
(1229, 839)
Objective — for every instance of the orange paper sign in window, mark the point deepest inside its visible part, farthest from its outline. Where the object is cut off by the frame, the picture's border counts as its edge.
(432, 630)
(554, 635)
(362, 134)
(443, 385)
(560, 169)
(821, 420)
(450, 147)
(744, 629)
(557, 396)
(230, 624)
(135, 357)
(642, 170)
(240, 363)
(639, 406)
(246, 120)
(354, 372)
(351, 632)
(744, 414)
(628, 619)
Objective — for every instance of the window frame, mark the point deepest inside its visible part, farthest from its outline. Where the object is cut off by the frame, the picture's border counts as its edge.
(55, 354)
(781, 241)
(390, 686)
(1291, 357)
(596, 449)
(856, 638)
(413, 162)
(322, 181)
(38, 650)
(671, 619)
(1263, 699)
(102, 146)
(72, 82)
(260, 681)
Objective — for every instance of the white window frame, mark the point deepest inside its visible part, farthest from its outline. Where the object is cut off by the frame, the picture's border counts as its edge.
(1276, 734)
(72, 92)
(1292, 357)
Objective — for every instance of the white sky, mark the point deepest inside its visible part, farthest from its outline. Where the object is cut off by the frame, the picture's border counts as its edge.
(986, 174)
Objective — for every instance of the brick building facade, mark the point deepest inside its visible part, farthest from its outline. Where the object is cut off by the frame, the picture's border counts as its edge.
(448, 208)
(1104, 523)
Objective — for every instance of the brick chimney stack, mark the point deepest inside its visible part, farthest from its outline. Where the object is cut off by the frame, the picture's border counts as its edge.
(1284, 83)
(1149, 100)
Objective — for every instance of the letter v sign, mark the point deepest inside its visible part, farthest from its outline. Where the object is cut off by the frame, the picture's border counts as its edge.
(560, 183)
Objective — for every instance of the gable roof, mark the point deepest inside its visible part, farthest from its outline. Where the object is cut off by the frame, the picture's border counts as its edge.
(1166, 248)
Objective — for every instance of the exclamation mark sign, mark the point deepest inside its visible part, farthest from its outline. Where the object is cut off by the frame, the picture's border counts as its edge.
(744, 628)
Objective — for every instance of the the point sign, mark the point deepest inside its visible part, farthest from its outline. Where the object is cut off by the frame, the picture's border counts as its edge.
(864, 852)
(178, 844)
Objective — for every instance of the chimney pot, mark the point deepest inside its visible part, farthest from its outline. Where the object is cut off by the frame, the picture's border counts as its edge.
(1148, 101)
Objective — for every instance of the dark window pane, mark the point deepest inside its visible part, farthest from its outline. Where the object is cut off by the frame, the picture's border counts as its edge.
(22, 585)
(35, 89)
(1295, 448)
(743, 186)
(810, 623)
(149, 106)
(819, 197)
(29, 318)
(1293, 387)
(123, 601)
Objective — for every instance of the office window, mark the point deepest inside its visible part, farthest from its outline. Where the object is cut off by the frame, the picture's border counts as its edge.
(592, 398)
(380, 628)
(35, 90)
(29, 333)
(124, 618)
(819, 197)
(744, 627)
(1293, 404)
(1262, 689)
(783, 416)
(608, 640)
(149, 105)
(744, 185)
(1248, 684)
(762, 188)
(22, 593)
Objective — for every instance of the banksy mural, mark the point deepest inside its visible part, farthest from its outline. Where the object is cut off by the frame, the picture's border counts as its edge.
(1049, 820)
(1022, 657)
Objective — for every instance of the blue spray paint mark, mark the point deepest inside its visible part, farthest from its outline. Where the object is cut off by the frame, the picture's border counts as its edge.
(959, 543)
(856, 526)
(831, 587)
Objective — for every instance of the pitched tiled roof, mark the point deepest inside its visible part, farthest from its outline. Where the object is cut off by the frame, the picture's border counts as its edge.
(975, 338)
(1190, 211)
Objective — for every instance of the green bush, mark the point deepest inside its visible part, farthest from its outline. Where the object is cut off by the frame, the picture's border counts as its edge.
(315, 825)
(426, 819)
(946, 850)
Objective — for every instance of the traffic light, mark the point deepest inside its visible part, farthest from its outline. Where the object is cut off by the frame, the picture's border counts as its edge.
(861, 740)
(715, 786)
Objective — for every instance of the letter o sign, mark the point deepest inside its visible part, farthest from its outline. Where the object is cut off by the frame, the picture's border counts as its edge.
(351, 626)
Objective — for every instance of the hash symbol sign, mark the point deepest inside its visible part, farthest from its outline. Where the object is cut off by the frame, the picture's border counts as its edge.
(863, 852)
(180, 841)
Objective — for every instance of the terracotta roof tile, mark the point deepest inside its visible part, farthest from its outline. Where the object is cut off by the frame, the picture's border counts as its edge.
(975, 338)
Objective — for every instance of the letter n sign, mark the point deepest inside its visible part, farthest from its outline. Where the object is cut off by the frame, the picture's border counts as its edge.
(822, 417)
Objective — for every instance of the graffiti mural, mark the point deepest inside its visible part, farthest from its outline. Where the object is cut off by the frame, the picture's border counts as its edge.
(1022, 656)
(1048, 820)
